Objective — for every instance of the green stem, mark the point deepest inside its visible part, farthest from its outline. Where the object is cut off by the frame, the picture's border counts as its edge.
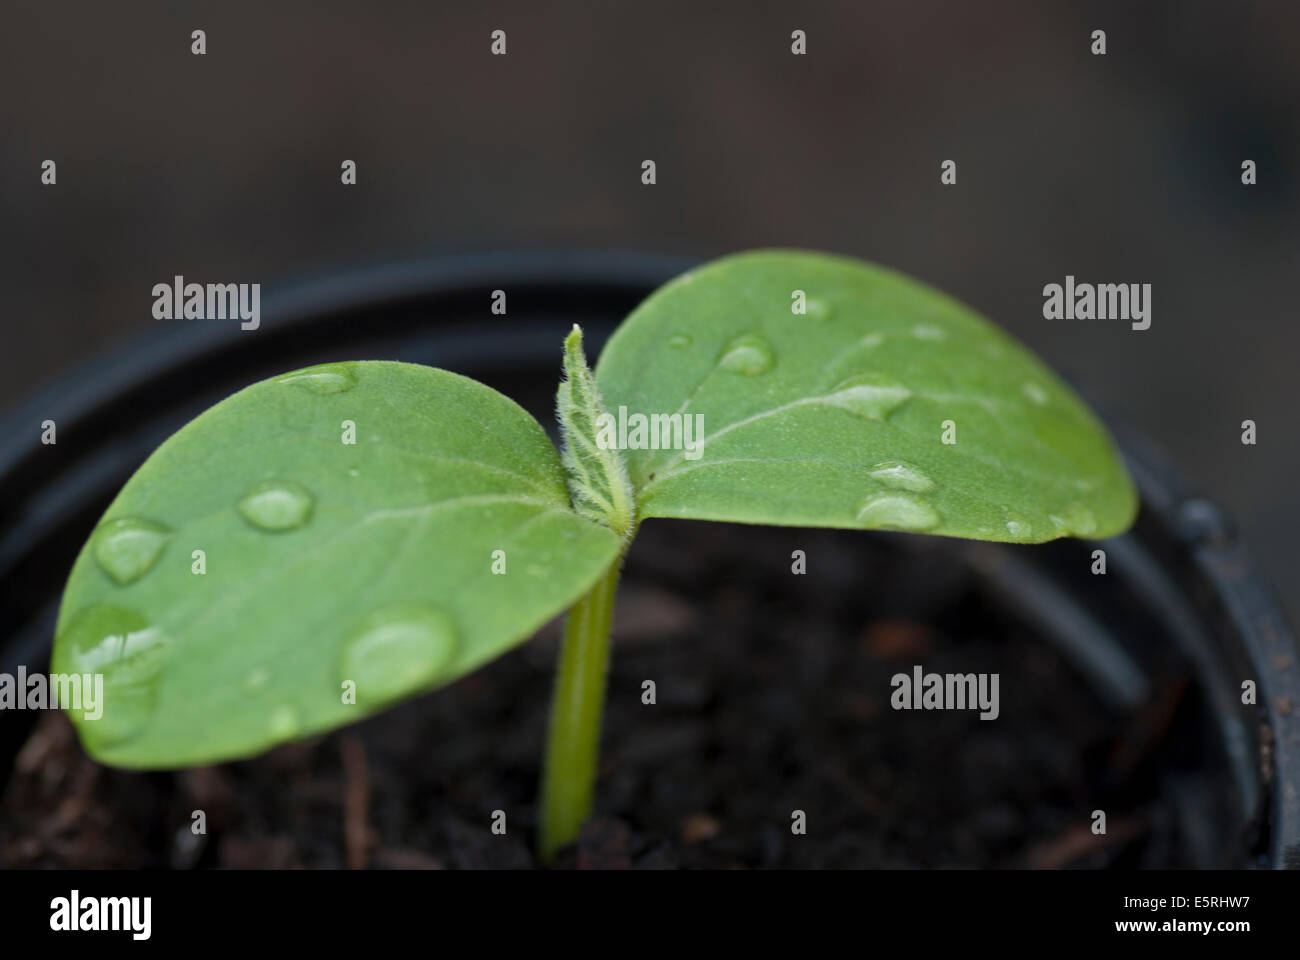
(573, 744)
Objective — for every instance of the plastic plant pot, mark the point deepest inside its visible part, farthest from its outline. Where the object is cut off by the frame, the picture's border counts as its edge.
(1180, 597)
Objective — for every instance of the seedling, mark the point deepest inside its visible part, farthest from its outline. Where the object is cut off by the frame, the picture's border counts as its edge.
(326, 543)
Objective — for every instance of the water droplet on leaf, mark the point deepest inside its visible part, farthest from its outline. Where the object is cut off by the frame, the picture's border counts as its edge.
(284, 723)
(323, 379)
(128, 547)
(130, 653)
(276, 505)
(1035, 393)
(926, 332)
(901, 476)
(1018, 528)
(1078, 520)
(871, 395)
(398, 650)
(681, 341)
(896, 511)
(748, 355)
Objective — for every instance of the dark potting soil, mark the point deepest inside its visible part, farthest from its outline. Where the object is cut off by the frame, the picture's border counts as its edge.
(773, 695)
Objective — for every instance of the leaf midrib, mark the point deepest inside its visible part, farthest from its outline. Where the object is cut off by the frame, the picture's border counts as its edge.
(668, 470)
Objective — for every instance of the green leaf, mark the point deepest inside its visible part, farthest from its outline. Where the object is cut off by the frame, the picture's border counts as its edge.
(836, 416)
(325, 562)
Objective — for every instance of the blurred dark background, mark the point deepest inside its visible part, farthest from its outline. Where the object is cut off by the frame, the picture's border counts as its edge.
(1120, 168)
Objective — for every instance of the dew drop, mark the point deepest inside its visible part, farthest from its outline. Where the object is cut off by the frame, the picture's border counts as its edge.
(680, 341)
(748, 355)
(323, 379)
(123, 647)
(276, 505)
(257, 678)
(1035, 393)
(818, 310)
(284, 723)
(926, 332)
(398, 650)
(871, 395)
(1019, 529)
(128, 547)
(896, 511)
(1078, 520)
(901, 476)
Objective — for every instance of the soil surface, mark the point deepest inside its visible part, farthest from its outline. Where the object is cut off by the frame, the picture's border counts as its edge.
(773, 695)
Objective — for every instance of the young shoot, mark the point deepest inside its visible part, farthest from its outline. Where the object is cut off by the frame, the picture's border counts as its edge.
(329, 542)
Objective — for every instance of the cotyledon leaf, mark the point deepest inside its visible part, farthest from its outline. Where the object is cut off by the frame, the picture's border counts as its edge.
(325, 565)
(831, 392)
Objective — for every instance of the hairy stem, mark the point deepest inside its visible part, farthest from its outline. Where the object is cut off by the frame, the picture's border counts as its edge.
(594, 471)
(573, 743)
